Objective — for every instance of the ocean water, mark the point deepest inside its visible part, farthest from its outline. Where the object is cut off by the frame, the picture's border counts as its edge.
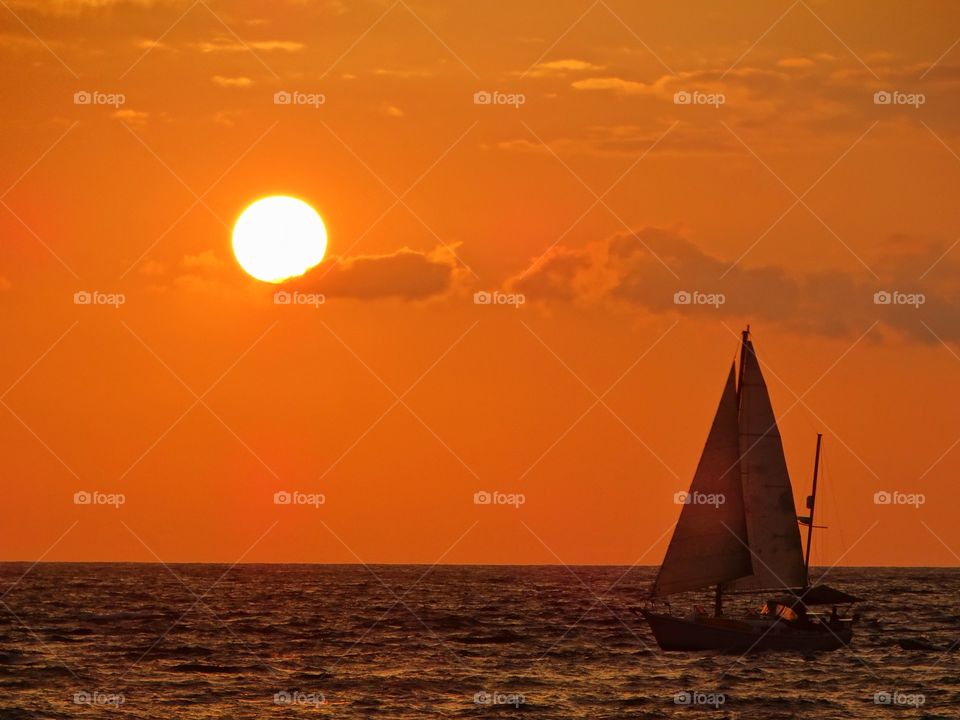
(288, 641)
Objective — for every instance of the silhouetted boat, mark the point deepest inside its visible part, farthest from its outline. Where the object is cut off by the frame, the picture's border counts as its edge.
(747, 543)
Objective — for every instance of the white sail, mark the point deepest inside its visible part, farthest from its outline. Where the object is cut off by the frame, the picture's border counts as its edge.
(709, 542)
(772, 530)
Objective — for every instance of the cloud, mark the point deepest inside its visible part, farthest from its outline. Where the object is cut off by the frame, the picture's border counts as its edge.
(391, 110)
(561, 67)
(814, 96)
(616, 84)
(224, 45)
(206, 259)
(73, 7)
(231, 82)
(405, 274)
(569, 64)
(632, 140)
(149, 44)
(562, 274)
(132, 116)
(741, 81)
(402, 73)
(629, 270)
(151, 268)
(795, 62)
(285, 45)
(227, 118)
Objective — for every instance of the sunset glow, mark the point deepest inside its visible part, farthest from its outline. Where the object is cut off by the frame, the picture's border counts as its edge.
(573, 359)
(529, 207)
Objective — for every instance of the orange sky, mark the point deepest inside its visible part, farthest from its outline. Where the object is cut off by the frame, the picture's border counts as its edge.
(598, 198)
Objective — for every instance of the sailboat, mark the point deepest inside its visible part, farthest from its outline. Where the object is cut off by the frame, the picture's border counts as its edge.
(748, 543)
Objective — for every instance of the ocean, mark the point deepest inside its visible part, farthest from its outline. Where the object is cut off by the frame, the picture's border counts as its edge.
(349, 641)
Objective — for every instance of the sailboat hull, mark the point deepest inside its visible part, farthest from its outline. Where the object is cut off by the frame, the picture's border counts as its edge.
(741, 635)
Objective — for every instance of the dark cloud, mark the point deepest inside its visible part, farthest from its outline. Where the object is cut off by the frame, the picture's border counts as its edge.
(405, 274)
(631, 270)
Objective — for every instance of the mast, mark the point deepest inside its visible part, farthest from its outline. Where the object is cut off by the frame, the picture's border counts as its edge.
(811, 502)
(718, 597)
(744, 337)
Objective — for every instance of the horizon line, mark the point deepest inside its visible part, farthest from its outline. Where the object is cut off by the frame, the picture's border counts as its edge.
(422, 564)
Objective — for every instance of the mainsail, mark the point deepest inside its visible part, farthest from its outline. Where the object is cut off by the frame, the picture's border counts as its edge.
(709, 543)
(774, 536)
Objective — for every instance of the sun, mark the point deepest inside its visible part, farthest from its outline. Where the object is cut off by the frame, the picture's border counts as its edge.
(279, 237)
